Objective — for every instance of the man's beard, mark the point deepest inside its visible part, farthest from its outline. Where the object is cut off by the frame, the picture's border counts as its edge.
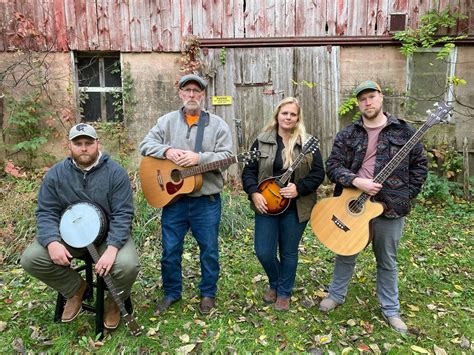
(85, 160)
(373, 115)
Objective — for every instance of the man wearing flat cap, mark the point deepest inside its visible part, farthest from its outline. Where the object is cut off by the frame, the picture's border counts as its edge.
(88, 175)
(187, 137)
(360, 152)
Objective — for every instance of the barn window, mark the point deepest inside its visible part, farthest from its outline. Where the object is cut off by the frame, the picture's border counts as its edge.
(99, 86)
(428, 79)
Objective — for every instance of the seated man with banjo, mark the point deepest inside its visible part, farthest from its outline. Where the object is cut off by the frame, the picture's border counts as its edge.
(85, 206)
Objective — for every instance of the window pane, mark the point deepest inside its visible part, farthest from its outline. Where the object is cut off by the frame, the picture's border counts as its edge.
(114, 106)
(113, 76)
(428, 80)
(88, 71)
(90, 106)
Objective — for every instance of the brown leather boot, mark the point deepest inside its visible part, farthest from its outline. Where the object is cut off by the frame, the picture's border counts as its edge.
(73, 305)
(270, 296)
(112, 314)
(282, 304)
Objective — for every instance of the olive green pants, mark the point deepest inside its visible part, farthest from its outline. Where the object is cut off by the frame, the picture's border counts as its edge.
(37, 262)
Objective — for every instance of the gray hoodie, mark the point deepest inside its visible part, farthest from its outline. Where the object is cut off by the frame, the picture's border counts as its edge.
(106, 184)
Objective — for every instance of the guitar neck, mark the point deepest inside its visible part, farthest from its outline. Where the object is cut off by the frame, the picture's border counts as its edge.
(108, 281)
(401, 154)
(283, 179)
(199, 169)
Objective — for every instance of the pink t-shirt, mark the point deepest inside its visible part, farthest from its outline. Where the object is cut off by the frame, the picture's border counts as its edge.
(366, 171)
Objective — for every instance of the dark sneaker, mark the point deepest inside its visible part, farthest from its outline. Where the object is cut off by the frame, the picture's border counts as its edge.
(207, 304)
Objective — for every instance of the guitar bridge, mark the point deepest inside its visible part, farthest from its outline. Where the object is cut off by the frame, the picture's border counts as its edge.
(339, 224)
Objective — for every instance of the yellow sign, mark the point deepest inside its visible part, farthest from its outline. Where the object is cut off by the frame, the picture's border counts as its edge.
(221, 100)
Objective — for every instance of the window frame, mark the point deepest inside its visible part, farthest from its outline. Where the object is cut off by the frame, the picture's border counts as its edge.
(102, 89)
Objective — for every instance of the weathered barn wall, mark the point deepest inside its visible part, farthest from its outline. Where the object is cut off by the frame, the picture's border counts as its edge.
(160, 25)
(465, 94)
(258, 78)
(53, 78)
(155, 93)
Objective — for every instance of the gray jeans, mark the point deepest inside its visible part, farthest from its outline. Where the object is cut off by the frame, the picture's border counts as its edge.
(387, 233)
(36, 261)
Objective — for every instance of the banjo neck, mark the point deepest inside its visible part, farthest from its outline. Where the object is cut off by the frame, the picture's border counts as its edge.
(131, 323)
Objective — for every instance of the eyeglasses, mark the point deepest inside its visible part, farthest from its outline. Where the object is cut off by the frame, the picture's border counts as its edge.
(188, 91)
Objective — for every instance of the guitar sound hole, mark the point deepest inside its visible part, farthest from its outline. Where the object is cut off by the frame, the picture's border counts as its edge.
(355, 206)
(176, 176)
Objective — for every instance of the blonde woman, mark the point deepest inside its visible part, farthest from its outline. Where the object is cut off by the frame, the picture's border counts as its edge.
(277, 236)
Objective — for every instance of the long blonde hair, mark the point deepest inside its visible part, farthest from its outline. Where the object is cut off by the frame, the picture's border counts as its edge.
(299, 132)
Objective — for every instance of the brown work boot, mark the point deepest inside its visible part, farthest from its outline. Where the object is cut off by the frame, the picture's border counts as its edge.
(207, 304)
(111, 315)
(270, 296)
(73, 305)
(282, 304)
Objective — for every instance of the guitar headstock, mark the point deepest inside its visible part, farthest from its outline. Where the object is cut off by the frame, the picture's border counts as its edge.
(440, 113)
(311, 145)
(132, 325)
(248, 157)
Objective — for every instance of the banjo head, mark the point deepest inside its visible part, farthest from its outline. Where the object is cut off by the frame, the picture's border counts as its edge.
(81, 224)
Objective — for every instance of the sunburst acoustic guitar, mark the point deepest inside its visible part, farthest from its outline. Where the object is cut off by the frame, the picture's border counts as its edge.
(270, 187)
(342, 223)
(163, 182)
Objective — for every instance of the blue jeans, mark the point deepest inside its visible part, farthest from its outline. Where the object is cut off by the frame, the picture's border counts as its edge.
(202, 215)
(387, 233)
(281, 232)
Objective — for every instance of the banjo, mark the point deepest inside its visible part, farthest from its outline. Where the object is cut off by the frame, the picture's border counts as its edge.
(84, 224)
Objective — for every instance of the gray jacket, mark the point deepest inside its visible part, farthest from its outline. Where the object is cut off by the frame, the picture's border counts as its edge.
(107, 184)
(172, 131)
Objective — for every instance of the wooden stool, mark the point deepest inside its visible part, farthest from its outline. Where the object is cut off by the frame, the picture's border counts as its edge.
(98, 307)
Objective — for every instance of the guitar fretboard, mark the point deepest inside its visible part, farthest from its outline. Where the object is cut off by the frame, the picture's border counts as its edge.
(397, 158)
(199, 169)
(283, 179)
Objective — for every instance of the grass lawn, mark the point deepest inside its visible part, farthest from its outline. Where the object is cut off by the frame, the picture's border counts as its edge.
(436, 291)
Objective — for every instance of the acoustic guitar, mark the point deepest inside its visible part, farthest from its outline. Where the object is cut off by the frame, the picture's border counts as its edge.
(270, 187)
(342, 223)
(163, 182)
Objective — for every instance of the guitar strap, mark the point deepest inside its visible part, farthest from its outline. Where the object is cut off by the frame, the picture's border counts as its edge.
(203, 119)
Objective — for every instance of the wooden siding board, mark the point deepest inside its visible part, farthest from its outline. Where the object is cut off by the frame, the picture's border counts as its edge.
(417, 9)
(342, 15)
(464, 8)
(372, 12)
(239, 18)
(382, 17)
(267, 21)
(3, 26)
(331, 13)
(71, 25)
(92, 25)
(155, 25)
(357, 18)
(60, 25)
(212, 17)
(145, 25)
(400, 6)
(124, 26)
(197, 12)
(186, 21)
(227, 28)
(115, 33)
(135, 28)
(302, 18)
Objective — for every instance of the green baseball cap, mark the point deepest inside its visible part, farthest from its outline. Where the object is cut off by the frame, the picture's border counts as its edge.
(367, 85)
